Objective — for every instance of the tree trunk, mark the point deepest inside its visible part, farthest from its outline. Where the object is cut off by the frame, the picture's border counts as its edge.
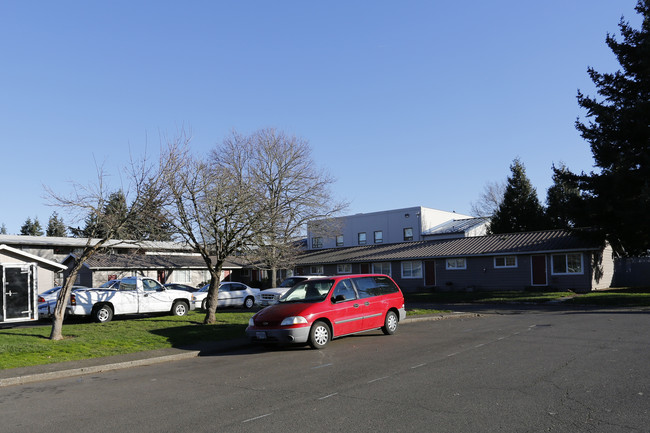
(274, 277)
(213, 296)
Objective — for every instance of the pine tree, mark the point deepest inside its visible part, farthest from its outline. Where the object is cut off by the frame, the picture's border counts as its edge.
(617, 198)
(150, 222)
(31, 228)
(520, 210)
(562, 200)
(55, 226)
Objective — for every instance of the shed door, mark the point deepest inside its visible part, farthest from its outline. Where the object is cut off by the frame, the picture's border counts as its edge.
(17, 292)
(539, 270)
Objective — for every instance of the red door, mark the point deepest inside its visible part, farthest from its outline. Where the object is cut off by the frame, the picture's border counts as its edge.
(429, 273)
(347, 314)
(539, 270)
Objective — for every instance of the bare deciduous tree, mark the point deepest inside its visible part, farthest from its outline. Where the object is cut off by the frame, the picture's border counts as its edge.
(293, 191)
(214, 204)
(89, 201)
(489, 200)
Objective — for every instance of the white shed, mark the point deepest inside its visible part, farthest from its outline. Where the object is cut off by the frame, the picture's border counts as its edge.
(21, 274)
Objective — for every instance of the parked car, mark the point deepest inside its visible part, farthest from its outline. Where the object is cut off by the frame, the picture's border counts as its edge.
(271, 296)
(318, 310)
(47, 300)
(231, 294)
(130, 295)
(178, 286)
(53, 293)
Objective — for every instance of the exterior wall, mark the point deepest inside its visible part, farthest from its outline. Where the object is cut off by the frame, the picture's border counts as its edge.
(603, 271)
(482, 275)
(478, 231)
(46, 279)
(391, 223)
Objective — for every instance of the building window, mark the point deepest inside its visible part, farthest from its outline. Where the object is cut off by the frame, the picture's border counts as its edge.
(317, 242)
(316, 270)
(381, 268)
(505, 262)
(345, 268)
(456, 264)
(567, 264)
(362, 238)
(379, 237)
(408, 234)
(339, 240)
(182, 276)
(245, 273)
(411, 269)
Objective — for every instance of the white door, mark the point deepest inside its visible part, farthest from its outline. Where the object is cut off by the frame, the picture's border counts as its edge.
(18, 294)
(153, 297)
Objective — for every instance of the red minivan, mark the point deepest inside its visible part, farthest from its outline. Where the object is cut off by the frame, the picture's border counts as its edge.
(318, 310)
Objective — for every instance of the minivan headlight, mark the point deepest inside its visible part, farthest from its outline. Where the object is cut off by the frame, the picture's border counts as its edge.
(293, 320)
(251, 322)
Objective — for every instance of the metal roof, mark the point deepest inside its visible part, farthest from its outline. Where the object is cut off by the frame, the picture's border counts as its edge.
(512, 243)
(455, 226)
(52, 241)
(151, 261)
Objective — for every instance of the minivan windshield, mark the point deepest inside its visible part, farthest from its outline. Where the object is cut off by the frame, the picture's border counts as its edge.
(308, 291)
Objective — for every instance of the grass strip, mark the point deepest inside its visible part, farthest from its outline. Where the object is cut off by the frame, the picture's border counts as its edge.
(26, 346)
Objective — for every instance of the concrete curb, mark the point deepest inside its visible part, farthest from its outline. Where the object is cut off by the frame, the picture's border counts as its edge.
(156, 357)
(59, 374)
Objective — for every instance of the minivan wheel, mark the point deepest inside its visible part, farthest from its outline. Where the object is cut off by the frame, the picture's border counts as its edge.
(319, 335)
(390, 323)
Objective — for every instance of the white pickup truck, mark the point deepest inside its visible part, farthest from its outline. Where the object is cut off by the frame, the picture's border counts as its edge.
(132, 295)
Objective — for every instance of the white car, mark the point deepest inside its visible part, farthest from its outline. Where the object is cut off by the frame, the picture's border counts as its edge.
(47, 300)
(271, 296)
(231, 294)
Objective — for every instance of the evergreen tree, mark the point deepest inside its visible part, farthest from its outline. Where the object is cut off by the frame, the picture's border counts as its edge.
(563, 201)
(145, 223)
(617, 198)
(113, 209)
(55, 226)
(31, 228)
(150, 222)
(520, 210)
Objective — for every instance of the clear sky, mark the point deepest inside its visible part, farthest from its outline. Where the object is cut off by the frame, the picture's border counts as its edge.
(405, 103)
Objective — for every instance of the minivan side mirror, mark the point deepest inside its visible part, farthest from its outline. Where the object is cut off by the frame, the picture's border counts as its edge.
(338, 298)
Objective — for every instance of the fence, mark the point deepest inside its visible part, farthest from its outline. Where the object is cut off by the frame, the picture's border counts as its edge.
(631, 272)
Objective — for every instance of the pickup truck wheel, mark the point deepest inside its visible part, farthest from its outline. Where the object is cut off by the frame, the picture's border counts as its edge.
(249, 302)
(179, 308)
(204, 304)
(102, 313)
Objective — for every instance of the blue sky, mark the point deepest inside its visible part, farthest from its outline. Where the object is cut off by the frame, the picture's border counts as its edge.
(405, 103)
